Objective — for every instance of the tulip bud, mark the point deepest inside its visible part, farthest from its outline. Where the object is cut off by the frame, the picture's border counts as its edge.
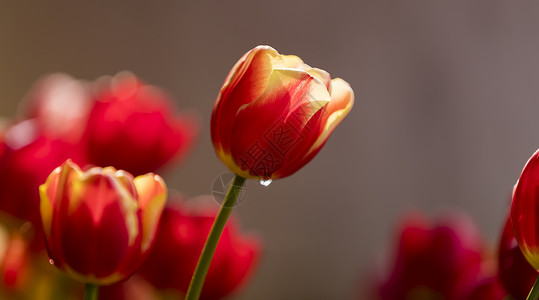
(100, 224)
(524, 213)
(274, 113)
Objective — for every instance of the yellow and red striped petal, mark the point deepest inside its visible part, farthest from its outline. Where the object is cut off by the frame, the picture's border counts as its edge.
(247, 82)
(342, 100)
(265, 122)
(152, 193)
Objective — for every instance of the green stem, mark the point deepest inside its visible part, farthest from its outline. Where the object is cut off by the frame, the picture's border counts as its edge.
(534, 293)
(91, 291)
(197, 281)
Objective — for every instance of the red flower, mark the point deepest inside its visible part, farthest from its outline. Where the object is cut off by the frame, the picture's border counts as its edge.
(99, 225)
(515, 272)
(181, 236)
(47, 133)
(274, 113)
(28, 158)
(488, 289)
(132, 127)
(440, 261)
(524, 215)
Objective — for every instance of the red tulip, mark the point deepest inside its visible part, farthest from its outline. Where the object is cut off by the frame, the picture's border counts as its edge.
(488, 289)
(132, 127)
(524, 213)
(28, 158)
(274, 113)
(99, 225)
(440, 261)
(181, 236)
(48, 131)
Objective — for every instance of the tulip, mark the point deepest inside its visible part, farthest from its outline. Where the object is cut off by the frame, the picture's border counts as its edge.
(438, 261)
(274, 113)
(28, 156)
(488, 289)
(132, 126)
(516, 274)
(178, 244)
(100, 224)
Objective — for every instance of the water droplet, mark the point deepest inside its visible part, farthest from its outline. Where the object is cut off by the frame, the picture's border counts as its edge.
(265, 182)
(51, 261)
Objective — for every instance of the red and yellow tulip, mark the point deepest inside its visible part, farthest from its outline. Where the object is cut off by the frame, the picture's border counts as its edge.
(274, 113)
(100, 224)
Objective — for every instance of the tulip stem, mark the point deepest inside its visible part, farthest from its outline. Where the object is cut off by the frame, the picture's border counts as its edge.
(91, 291)
(197, 281)
(534, 293)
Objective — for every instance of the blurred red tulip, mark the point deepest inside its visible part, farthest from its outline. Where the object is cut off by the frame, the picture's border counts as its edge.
(132, 127)
(181, 236)
(440, 261)
(99, 225)
(488, 289)
(47, 132)
(515, 272)
(274, 113)
(28, 158)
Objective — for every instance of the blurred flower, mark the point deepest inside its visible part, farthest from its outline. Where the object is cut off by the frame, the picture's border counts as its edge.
(132, 127)
(440, 261)
(488, 289)
(28, 158)
(274, 113)
(47, 131)
(180, 238)
(524, 215)
(515, 272)
(100, 224)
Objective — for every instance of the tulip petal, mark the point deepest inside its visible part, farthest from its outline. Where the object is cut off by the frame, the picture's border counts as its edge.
(152, 194)
(245, 84)
(55, 192)
(342, 99)
(269, 123)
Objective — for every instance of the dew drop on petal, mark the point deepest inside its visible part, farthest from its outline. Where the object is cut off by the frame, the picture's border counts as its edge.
(51, 261)
(265, 182)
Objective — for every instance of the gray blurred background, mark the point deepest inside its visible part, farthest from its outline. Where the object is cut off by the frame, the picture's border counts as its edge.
(446, 113)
